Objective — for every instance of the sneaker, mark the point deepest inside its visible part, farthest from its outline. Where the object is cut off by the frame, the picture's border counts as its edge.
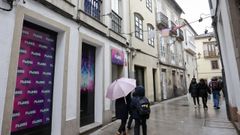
(117, 133)
(217, 107)
(195, 106)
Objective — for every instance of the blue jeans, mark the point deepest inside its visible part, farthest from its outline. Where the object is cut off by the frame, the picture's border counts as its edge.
(216, 96)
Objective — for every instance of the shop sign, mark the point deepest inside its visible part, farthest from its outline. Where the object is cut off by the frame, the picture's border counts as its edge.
(117, 57)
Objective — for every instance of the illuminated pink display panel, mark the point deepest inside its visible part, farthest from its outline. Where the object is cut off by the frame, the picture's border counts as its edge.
(34, 83)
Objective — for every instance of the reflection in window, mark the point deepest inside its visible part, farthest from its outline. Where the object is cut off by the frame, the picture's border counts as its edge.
(92, 7)
(138, 26)
(150, 35)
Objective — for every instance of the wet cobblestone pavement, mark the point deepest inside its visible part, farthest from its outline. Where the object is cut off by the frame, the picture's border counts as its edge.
(179, 117)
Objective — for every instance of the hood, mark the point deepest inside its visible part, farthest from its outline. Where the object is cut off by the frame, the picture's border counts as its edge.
(140, 91)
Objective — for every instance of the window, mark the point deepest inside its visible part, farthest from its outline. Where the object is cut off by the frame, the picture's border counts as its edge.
(116, 22)
(139, 26)
(214, 64)
(92, 7)
(149, 4)
(150, 35)
(210, 49)
(162, 47)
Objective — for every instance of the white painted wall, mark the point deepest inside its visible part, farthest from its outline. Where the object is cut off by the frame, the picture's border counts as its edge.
(6, 35)
(229, 57)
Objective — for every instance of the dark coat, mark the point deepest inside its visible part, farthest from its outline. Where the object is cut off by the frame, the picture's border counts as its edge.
(194, 90)
(122, 107)
(203, 90)
(139, 93)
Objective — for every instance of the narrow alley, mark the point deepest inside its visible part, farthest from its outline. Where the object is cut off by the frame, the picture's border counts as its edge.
(179, 117)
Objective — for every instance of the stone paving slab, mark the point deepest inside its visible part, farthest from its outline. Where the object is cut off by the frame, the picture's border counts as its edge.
(179, 117)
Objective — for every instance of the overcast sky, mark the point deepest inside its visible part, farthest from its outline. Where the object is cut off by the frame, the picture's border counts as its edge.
(193, 9)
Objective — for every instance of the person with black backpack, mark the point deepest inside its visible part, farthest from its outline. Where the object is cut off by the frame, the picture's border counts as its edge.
(215, 88)
(140, 107)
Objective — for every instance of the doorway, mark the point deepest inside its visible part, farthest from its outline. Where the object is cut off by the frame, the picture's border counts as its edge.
(32, 109)
(154, 71)
(117, 72)
(87, 111)
(139, 75)
(164, 84)
(174, 86)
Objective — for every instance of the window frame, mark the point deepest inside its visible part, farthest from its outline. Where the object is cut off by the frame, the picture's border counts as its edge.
(138, 24)
(150, 41)
(215, 66)
(149, 5)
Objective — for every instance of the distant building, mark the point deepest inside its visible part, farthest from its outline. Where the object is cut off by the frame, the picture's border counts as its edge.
(172, 66)
(144, 58)
(190, 51)
(208, 57)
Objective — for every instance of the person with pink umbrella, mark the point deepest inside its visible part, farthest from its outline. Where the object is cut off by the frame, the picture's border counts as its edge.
(120, 90)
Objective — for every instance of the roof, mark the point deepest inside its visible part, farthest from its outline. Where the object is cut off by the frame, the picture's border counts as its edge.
(211, 34)
(175, 4)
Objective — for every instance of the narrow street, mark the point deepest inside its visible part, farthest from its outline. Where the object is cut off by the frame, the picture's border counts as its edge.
(177, 117)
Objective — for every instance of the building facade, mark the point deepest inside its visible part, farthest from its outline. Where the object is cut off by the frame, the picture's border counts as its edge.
(58, 59)
(190, 51)
(226, 16)
(144, 62)
(172, 68)
(208, 57)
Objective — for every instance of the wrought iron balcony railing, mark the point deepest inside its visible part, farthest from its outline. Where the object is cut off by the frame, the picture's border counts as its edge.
(93, 8)
(162, 20)
(116, 22)
(180, 35)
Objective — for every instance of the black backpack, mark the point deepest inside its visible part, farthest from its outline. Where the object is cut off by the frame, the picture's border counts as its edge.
(215, 85)
(143, 107)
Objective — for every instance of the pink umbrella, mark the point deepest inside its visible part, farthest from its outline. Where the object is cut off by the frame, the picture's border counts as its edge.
(120, 88)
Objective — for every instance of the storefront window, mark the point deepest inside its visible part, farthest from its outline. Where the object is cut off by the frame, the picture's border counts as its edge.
(87, 85)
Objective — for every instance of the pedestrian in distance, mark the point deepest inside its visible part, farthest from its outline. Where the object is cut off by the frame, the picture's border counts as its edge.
(204, 90)
(215, 87)
(193, 90)
(121, 108)
(140, 107)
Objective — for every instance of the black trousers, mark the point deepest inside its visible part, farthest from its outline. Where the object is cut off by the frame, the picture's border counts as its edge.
(204, 100)
(138, 123)
(130, 122)
(122, 128)
(194, 100)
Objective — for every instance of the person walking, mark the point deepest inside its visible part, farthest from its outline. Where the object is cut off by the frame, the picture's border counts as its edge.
(122, 107)
(215, 88)
(203, 92)
(193, 90)
(140, 107)
(129, 124)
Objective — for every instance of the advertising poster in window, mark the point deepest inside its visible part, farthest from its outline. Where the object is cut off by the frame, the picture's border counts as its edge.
(34, 83)
(87, 85)
(117, 57)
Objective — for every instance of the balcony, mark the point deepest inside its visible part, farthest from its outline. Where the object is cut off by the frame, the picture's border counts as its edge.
(162, 21)
(173, 32)
(211, 54)
(180, 35)
(116, 22)
(93, 8)
(191, 48)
